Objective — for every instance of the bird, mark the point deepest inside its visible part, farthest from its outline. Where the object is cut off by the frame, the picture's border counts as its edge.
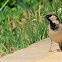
(54, 30)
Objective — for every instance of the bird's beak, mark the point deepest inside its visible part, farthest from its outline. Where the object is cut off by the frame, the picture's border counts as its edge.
(44, 16)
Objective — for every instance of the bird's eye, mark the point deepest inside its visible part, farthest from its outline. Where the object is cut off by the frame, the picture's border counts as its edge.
(49, 15)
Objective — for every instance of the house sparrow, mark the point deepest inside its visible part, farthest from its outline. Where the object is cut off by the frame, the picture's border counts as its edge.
(55, 29)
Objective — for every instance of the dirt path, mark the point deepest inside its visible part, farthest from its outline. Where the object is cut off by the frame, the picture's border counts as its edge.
(37, 52)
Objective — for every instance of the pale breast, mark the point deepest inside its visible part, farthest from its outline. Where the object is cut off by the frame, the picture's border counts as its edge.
(56, 36)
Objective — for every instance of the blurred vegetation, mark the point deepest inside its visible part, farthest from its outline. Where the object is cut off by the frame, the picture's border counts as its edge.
(22, 22)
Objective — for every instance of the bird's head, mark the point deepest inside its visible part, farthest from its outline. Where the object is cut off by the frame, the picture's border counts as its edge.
(52, 18)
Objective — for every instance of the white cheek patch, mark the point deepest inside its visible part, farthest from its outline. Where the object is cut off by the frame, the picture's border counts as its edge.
(53, 18)
(56, 22)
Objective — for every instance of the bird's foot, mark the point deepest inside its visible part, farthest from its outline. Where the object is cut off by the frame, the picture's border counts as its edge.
(58, 50)
(50, 51)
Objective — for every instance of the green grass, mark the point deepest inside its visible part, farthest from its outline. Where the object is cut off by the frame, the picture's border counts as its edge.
(23, 25)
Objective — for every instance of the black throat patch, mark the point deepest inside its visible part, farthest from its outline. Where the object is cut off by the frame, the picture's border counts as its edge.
(54, 26)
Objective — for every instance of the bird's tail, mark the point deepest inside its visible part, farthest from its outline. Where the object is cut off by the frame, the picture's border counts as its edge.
(60, 45)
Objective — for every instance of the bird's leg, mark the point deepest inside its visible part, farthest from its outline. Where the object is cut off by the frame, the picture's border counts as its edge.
(50, 47)
(59, 50)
